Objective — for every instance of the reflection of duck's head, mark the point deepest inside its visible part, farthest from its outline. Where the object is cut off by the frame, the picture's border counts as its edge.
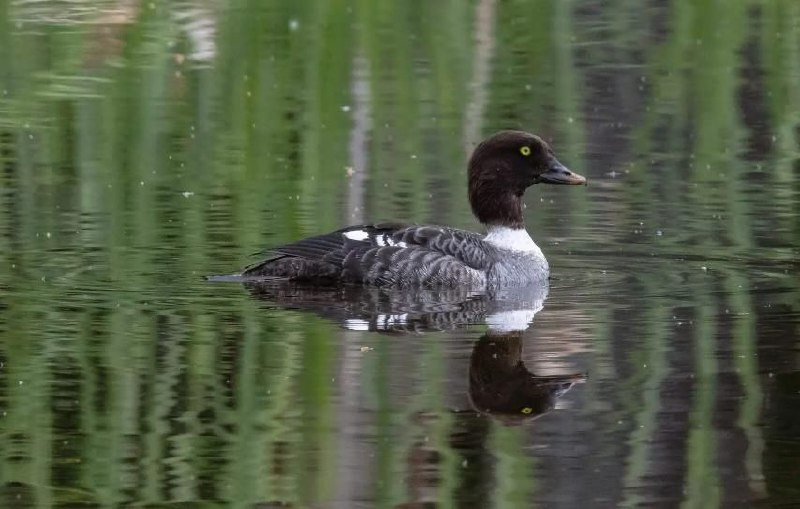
(500, 385)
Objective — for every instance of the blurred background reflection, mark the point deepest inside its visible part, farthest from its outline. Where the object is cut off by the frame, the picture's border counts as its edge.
(146, 144)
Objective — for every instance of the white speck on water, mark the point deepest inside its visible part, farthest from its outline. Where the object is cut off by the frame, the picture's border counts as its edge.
(659, 233)
(345, 108)
(294, 24)
(141, 182)
(21, 382)
(413, 156)
(570, 120)
(187, 194)
(704, 268)
(47, 234)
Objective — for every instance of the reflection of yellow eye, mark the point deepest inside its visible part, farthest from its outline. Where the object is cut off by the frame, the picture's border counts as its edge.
(527, 409)
(526, 151)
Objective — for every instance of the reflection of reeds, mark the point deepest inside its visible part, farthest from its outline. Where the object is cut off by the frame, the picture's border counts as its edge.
(481, 73)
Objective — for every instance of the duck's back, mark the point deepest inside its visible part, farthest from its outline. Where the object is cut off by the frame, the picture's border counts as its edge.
(383, 255)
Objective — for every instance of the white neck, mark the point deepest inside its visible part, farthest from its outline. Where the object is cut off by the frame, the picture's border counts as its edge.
(514, 239)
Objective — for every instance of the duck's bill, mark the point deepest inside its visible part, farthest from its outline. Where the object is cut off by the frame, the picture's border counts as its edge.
(557, 173)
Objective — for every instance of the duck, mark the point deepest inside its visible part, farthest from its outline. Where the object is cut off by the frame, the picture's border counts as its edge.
(500, 170)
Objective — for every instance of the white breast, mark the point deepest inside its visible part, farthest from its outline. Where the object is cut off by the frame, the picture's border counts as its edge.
(514, 239)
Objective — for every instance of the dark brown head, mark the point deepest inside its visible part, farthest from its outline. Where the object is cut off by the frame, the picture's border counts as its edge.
(502, 167)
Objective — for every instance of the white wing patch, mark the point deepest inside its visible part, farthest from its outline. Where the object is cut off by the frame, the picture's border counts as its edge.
(356, 235)
(382, 240)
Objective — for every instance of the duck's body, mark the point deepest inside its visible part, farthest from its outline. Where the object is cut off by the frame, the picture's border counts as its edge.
(406, 255)
(500, 170)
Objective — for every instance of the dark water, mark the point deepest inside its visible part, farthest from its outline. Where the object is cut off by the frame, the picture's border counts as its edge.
(144, 145)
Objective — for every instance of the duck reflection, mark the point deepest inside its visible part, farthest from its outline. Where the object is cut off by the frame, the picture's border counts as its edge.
(501, 385)
(499, 382)
(500, 388)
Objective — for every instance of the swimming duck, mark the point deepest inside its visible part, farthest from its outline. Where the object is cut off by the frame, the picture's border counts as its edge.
(500, 169)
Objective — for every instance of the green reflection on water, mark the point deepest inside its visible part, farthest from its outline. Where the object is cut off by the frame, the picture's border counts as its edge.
(144, 145)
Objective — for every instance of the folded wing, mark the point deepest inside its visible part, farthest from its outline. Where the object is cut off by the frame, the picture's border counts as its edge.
(383, 254)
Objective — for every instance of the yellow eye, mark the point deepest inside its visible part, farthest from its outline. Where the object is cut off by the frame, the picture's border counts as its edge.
(527, 409)
(526, 151)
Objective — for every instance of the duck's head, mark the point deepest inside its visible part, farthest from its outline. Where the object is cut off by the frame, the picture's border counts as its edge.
(503, 166)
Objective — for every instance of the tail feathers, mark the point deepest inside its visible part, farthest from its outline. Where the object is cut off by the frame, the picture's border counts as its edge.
(293, 268)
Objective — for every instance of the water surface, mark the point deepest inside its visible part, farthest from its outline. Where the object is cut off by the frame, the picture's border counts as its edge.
(145, 145)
